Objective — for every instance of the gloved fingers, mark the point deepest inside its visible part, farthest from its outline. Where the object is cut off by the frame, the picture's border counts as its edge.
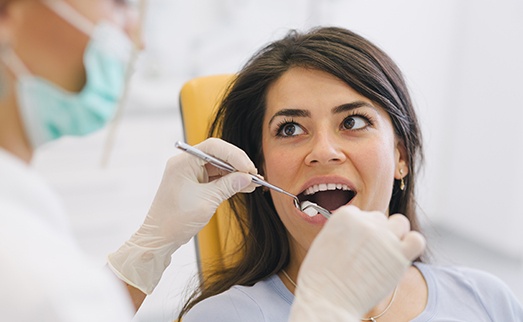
(399, 225)
(350, 217)
(229, 153)
(412, 242)
(357, 213)
(413, 245)
(214, 173)
(242, 177)
(225, 187)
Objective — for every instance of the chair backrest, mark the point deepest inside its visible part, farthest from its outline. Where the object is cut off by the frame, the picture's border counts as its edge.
(199, 98)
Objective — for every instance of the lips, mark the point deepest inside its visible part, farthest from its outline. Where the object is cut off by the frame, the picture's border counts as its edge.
(329, 195)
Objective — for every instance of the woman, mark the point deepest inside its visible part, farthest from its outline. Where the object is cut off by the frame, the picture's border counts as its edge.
(326, 115)
(62, 67)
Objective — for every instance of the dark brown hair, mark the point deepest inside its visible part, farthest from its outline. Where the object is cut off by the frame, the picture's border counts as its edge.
(352, 59)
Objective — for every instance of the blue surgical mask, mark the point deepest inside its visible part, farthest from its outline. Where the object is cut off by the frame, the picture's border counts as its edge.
(50, 112)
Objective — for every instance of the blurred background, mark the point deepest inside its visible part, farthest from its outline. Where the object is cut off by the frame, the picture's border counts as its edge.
(463, 63)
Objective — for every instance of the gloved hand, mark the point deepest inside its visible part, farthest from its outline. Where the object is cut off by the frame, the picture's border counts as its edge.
(354, 262)
(188, 196)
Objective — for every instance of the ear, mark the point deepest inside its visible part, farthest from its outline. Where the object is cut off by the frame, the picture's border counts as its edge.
(401, 160)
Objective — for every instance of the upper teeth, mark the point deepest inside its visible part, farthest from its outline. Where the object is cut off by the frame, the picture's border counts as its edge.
(324, 187)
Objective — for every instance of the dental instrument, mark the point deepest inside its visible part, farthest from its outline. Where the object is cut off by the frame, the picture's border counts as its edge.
(309, 208)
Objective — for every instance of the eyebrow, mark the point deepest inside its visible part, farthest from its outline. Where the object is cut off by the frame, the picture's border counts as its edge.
(351, 106)
(290, 112)
(336, 110)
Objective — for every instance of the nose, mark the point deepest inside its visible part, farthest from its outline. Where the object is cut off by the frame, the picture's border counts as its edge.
(326, 150)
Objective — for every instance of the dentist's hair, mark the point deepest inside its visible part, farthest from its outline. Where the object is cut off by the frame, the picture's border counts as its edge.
(355, 61)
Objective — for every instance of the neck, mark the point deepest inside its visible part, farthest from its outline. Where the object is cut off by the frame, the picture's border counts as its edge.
(12, 136)
(297, 256)
(382, 307)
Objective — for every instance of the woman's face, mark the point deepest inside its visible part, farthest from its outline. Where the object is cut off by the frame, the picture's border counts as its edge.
(50, 46)
(320, 134)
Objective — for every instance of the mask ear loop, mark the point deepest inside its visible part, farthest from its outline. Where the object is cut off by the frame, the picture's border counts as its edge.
(4, 84)
(113, 126)
(69, 14)
(14, 63)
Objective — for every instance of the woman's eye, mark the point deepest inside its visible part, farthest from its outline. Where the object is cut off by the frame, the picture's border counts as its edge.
(354, 123)
(290, 129)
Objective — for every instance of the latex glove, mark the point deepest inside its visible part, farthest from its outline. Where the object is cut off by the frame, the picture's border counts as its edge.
(187, 198)
(355, 261)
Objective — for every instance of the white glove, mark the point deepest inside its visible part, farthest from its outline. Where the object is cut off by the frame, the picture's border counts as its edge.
(187, 198)
(354, 262)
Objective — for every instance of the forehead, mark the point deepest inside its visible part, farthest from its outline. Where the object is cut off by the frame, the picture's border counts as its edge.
(310, 88)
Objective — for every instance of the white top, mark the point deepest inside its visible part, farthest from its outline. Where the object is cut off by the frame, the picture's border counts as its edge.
(454, 294)
(44, 275)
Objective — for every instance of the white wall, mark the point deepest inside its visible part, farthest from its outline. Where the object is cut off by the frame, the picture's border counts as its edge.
(481, 152)
(462, 60)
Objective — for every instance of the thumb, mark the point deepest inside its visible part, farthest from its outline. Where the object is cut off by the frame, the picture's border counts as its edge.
(230, 184)
(413, 245)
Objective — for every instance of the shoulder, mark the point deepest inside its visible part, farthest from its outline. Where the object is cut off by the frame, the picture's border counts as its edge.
(468, 278)
(264, 301)
(230, 306)
(452, 286)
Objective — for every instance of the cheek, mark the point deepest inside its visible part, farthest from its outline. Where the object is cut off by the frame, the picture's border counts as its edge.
(279, 167)
(280, 164)
(379, 157)
(376, 166)
(282, 168)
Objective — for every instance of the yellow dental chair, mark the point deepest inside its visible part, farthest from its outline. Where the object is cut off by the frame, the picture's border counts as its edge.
(199, 99)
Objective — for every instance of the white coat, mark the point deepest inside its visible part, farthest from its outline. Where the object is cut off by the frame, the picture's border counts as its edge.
(44, 275)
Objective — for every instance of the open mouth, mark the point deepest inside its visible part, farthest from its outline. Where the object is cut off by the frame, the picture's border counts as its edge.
(330, 196)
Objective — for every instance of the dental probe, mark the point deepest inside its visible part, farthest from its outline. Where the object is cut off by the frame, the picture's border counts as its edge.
(306, 206)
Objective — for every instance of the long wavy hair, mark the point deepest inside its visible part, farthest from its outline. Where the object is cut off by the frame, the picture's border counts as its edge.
(352, 59)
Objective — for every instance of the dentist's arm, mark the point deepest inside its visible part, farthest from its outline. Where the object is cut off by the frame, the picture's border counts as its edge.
(356, 260)
(187, 198)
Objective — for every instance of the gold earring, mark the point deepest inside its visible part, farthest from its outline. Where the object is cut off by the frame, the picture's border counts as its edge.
(402, 182)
